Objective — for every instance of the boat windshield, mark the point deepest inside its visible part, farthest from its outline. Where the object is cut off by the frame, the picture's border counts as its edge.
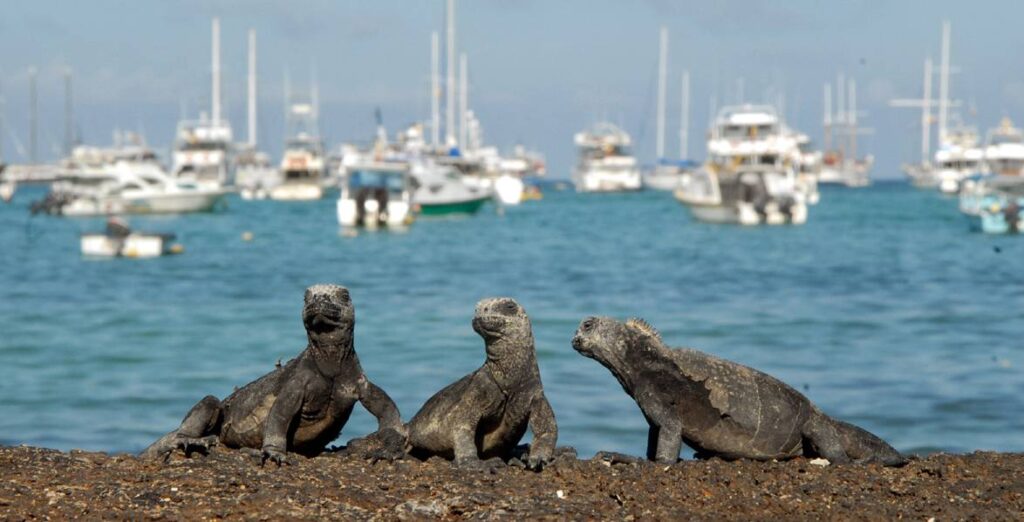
(741, 132)
(304, 145)
(999, 139)
(960, 164)
(375, 179)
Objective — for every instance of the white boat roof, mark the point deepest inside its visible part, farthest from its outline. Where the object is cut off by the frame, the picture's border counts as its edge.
(747, 115)
(603, 133)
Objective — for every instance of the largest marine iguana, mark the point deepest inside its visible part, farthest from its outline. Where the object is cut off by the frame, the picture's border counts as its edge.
(299, 407)
(484, 414)
(718, 407)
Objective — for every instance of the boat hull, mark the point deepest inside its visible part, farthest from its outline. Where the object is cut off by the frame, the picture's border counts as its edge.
(156, 204)
(135, 245)
(471, 206)
(296, 192)
(397, 215)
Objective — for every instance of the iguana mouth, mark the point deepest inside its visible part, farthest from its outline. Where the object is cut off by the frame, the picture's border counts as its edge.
(489, 324)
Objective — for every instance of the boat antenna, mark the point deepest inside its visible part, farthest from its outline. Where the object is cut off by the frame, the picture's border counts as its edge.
(684, 117)
(435, 90)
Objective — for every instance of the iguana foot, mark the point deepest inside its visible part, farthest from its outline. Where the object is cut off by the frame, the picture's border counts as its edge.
(190, 445)
(274, 455)
(612, 457)
(387, 444)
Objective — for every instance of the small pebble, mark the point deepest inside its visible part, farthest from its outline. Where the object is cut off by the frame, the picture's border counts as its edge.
(560, 494)
(820, 462)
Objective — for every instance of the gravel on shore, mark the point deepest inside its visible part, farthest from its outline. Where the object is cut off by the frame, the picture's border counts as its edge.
(40, 483)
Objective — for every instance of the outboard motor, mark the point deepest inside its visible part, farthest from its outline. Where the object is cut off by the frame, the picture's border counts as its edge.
(1011, 213)
(361, 194)
(381, 195)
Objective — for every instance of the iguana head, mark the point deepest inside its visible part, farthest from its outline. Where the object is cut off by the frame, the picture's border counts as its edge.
(328, 315)
(613, 343)
(501, 318)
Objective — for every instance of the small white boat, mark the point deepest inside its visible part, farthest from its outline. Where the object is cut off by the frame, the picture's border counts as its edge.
(605, 163)
(201, 154)
(7, 187)
(375, 194)
(1004, 152)
(120, 241)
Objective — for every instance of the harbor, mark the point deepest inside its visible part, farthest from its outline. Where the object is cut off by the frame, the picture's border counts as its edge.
(791, 256)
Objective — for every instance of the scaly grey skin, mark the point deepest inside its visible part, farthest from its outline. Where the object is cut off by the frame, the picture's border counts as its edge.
(299, 407)
(718, 407)
(486, 413)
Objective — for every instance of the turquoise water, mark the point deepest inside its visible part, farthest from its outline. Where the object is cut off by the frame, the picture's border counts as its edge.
(884, 309)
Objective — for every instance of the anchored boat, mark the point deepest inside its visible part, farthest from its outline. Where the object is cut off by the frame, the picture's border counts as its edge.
(605, 162)
(375, 194)
(120, 241)
(749, 178)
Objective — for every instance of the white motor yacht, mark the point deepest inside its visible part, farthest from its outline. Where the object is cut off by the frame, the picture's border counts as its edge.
(958, 158)
(127, 187)
(748, 178)
(605, 162)
(202, 153)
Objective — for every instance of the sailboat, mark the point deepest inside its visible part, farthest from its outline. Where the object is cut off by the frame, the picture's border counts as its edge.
(255, 176)
(666, 174)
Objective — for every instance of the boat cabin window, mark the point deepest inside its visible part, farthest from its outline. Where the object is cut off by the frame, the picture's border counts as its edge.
(202, 145)
(304, 145)
(369, 178)
(299, 175)
(960, 164)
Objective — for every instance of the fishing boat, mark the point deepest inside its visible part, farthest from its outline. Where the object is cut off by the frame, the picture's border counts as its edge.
(302, 170)
(605, 163)
(375, 193)
(202, 148)
(994, 204)
(747, 179)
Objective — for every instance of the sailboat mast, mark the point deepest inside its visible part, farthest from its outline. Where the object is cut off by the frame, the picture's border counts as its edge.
(450, 71)
(828, 117)
(69, 137)
(252, 88)
(944, 84)
(840, 117)
(926, 114)
(463, 103)
(852, 120)
(33, 116)
(684, 117)
(215, 72)
(662, 66)
(435, 90)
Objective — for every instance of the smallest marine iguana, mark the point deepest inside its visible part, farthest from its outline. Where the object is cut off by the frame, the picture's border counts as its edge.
(298, 407)
(718, 407)
(486, 413)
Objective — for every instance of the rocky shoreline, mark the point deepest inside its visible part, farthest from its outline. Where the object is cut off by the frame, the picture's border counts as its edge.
(40, 483)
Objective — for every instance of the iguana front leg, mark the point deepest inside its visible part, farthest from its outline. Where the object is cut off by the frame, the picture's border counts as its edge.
(545, 433)
(379, 404)
(670, 440)
(279, 422)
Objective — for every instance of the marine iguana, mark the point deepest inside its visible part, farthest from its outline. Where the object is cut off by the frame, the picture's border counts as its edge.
(718, 407)
(484, 414)
(298, 407)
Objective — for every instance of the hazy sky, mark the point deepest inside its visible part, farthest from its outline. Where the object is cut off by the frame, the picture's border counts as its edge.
(539, 70)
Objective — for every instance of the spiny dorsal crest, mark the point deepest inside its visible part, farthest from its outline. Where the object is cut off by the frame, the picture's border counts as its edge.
(643, 327)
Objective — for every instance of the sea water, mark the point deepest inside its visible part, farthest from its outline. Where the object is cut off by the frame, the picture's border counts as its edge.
(884, 309)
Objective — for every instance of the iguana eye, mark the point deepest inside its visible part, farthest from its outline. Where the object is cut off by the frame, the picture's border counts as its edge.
(588, 325)
(509, 306)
